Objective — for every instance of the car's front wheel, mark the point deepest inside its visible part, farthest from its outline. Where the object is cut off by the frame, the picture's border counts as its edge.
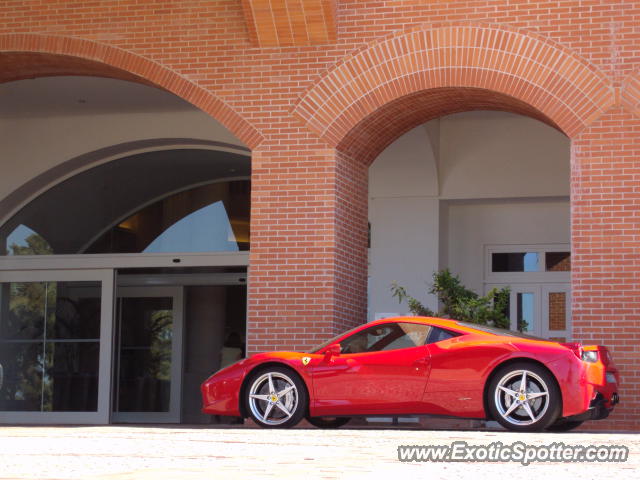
(276, 397)
(524, 397)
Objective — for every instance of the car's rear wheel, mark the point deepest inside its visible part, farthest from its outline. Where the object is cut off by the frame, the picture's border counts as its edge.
(276, 397)
(564, 425)
(524, 397)
(328, 422)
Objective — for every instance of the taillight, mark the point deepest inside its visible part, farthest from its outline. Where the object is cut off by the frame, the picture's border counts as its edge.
(587, 353)
(590, 356)
(590, 353)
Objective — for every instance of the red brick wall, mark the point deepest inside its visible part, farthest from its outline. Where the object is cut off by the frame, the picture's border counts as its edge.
(605, 224)
(570, 63)
(307, 274)
(351, 223)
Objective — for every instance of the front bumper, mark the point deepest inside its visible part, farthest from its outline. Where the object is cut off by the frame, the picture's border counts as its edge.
(220, 392)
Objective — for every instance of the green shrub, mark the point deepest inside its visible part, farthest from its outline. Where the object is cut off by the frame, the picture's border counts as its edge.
(460, 303)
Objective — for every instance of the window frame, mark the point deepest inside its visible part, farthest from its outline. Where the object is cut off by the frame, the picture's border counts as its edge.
(541, 276)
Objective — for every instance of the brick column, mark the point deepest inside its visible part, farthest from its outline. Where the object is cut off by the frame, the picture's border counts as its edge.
(308, 261)
(605, 212)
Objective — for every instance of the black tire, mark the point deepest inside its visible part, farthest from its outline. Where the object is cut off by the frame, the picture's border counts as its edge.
(564, 425)
(543, 408)
(269, 411)
(328, 422)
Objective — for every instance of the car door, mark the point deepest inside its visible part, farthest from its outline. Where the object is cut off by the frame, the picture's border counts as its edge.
(458, 368)
(381, 370)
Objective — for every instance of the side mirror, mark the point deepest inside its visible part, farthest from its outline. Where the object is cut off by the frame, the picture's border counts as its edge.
(331, 351)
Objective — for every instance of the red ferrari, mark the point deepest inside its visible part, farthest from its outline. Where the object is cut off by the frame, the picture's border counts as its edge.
(422, 366)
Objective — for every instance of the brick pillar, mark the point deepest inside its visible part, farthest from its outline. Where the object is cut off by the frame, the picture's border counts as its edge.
(308, 261)
(605, 242)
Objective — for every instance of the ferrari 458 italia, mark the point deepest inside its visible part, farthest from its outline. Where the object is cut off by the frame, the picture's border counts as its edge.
(422, 366)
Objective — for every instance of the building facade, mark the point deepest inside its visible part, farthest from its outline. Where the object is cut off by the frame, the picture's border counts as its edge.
(185, 183)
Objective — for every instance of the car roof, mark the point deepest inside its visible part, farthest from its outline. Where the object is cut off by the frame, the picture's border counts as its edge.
(439, 322)
(461, 327)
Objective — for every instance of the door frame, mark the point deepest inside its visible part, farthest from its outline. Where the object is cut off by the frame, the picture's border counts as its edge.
(540, 293)
(177, 349)
(106, 278)
(539, 282)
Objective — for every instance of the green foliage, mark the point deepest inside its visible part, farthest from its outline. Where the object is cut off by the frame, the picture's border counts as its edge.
(35, 245)
(460, 303)
(415, 306)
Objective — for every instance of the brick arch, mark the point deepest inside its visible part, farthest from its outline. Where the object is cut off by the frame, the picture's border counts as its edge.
(529, 75)
(377, 131)
(31, 55)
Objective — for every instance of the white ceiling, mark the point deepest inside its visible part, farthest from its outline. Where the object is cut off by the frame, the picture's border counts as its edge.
(48, 96)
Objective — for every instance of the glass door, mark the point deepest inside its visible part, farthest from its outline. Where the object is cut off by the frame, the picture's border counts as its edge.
(524, 309)
(543, 310)
(55, 335)
(147, 355)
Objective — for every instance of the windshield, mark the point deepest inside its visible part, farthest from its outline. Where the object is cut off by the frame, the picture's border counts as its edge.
(317, 348)
(500, 331)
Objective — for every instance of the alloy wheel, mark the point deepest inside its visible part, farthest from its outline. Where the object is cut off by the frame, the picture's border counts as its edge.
(521, 398)
(273, 398)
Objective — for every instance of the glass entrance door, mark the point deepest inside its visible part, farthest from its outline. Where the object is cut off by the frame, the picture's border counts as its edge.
(148, 355)
(55, 339)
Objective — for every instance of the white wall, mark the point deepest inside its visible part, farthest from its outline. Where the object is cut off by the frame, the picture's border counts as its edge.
(498, 154)
(404, 249)
(403, 211)
(472, 155)
(406, 168)
(47, 121)
(472, 225)
(30, 146)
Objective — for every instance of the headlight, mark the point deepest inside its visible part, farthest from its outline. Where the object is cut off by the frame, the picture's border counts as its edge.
(590, 356)
(611, 378)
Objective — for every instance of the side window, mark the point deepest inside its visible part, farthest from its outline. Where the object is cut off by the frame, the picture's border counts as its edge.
(390, 336)
(439, 334)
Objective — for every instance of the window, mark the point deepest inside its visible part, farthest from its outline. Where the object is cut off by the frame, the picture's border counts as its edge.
(49, 346)
(515, 262)
(175, 201)
(202, 219)
(529, 259)
(558, 261)
(525, 311)
(440, 334)
(392, 336)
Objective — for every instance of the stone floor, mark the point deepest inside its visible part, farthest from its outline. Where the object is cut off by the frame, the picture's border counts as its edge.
(230, 452)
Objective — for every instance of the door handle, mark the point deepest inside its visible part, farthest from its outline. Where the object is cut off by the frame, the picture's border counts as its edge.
(422, 364)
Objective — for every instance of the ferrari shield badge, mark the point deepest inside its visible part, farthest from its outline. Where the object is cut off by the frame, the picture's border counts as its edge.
(306, 360)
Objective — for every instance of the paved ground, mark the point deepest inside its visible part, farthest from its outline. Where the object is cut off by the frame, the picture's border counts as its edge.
(190, 453)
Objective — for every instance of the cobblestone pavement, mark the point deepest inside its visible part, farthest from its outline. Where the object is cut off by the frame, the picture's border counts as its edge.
(190, 453)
